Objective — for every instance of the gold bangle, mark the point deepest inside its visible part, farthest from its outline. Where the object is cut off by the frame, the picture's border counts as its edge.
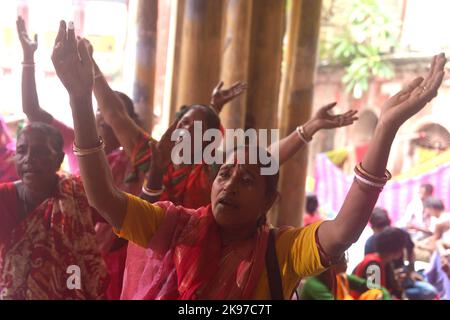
(79, 152)
(387, 175)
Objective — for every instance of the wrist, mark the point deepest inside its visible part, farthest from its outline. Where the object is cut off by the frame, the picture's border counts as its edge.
(386, 130)
(28, 59)
(310, 128)
(78, 100)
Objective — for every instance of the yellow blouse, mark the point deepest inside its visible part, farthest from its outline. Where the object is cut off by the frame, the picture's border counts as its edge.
(297, 252)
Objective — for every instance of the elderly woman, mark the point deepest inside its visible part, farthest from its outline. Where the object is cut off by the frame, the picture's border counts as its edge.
(47, 226)
(217, 251)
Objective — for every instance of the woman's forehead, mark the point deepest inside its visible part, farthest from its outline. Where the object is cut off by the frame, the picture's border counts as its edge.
(33, 136)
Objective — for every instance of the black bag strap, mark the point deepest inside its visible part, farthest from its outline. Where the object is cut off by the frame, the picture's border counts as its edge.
(273, 269)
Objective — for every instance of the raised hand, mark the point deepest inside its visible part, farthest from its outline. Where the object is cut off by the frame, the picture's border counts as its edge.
(220, 96)
(29, 46)
(162, 150)
(414, 97)
(73, 63)
(324, 120)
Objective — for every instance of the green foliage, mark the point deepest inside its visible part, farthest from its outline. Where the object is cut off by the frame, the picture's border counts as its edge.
(359, 42)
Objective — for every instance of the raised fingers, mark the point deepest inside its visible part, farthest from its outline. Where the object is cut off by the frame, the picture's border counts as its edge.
(71, 39)
(62, 33)
(84, 52)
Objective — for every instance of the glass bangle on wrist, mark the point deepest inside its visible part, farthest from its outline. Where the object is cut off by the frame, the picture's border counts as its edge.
(81, 152)
(151, 192)
(301, 134)
(28, 64)
(364, 177)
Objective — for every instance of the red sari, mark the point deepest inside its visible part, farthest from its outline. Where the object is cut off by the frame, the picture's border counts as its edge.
(36, 251)
(186, 260)
(188, 186)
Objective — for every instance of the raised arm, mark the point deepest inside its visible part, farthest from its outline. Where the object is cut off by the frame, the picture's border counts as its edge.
(75, 69)
(161, 152)
(337, 235)
(30, 101)
(294, 142)
(113, 111)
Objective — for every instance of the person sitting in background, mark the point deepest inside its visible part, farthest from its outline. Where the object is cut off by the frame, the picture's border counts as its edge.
(434, 213)
(439, 272)
(312, 213)
(7, 166)
(47, 226)
(413, 219)
(389, 245)
(414, 286)
(336, 284)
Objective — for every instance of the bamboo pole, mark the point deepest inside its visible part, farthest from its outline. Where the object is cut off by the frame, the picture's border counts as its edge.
(267, 33)
(299, 107)
(144, 85)
(199, 65)
(235, 59)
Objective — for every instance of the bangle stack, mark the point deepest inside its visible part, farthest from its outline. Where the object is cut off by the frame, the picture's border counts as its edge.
(301, 134)
(79, 152)
(151, 192)
(26, 64)
(370, 180)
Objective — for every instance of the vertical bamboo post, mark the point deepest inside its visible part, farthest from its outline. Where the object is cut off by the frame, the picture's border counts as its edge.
(299, 107)
(144, 85)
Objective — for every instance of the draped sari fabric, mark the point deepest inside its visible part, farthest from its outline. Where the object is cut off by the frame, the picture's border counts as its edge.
(186, 259)
(41, 254)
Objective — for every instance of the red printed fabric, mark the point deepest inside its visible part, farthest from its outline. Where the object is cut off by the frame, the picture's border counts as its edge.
(37, 252)
(188, 186)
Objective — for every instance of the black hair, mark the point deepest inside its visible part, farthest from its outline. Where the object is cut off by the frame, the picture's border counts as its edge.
(54, 135)
(390, 240)
(434, 203)
(312, 203)
(212, 118)
(428, 188)
(379, 218)
(129, 107)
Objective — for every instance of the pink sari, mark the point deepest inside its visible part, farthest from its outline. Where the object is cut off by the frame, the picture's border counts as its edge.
(37, 251)
(186, 260)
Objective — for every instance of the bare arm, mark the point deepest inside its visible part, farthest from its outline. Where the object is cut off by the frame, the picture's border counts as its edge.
(337, 235)
(74, 67)
(291, 144)
(161, 152)
(114, 113)
(30, 101)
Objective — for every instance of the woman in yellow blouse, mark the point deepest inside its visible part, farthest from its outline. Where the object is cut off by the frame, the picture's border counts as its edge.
(218, 251)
